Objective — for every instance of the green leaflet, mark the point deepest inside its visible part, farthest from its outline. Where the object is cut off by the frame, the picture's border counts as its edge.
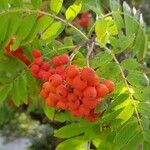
(130, 64)
(56, 5)
(116, 8)
(36, 3)
(24, 30)
(4, 91)
(3, 5)
(17, 3)
(73, 10)
(22, 85)
(122, 43)
(4, 19)
(41, 24)
(137, 79)
(100, 59)
(16, 97)
(14, 23)
(50, 112)
(53, 31)
(70, 130)
(77, 143)
(125, 134)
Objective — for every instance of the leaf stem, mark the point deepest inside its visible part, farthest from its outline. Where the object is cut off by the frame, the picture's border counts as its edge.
(126, 83)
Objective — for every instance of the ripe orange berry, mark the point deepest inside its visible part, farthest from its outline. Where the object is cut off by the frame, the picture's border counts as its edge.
(73, 105)
(72, 97)
(102, 90)
(52, 88)
(87, 74)
(75, 113)
(55, 79)
(35, 68)
(91, 104)
(38, 61)
(36, 53)
(62, 105)
(47, 86)
(56, 61)
(61, 91)
(79, 84)
(83, 111)
(72, 71)
(69, 80)
(110, 85)
(64, 58)
(50, 103)
(90, 93)
(44, 94)
(94, 81)
(78, 93)
(52, 99)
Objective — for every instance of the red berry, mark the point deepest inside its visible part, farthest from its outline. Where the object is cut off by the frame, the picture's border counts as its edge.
(38, 61)
(84, 111)
(87, 74)
(56, 61)
(79, 84)
(64, 58)
(46, 76)
(85, 14)
(72, 71)
(47, 86)
(102, 90)
(60, 70)
(52, 88)
(94, 81)
(64, 75)
(69, 80)
(91, 104)
(74, 105)
(35, 68)
(61, 91)
(55, 79)
(36, 53)
(45, 66)
(90, 93)
(78, 93)
(110, 85)
(44, 94)
(84, 22)
(75, 113)
(52, 100)
(41, 74)
(72, 97)
(62, 105)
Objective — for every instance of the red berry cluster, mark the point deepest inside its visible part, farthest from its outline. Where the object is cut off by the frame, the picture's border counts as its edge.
(43, 70)
(17, 53)
(79, 91)
(84, 21)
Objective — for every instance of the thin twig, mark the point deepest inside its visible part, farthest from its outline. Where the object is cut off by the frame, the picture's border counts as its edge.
(90, 46)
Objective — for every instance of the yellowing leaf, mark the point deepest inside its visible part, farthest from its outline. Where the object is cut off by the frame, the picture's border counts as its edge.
(56, 5)
(52, 30)
(73, 10)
